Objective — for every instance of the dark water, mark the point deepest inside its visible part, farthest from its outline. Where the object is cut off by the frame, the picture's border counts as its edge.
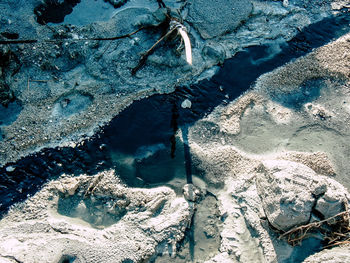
(9, 114)
(308, 247)
(143, 135)
(54, 11)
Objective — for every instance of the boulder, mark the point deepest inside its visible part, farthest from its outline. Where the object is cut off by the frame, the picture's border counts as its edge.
(291, 192)
(287, 190)
(333, 201)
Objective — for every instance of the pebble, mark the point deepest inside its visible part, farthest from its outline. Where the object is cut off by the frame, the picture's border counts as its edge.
(10, 169)
(186, 104)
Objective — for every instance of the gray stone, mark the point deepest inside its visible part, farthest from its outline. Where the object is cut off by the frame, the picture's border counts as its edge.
(191, 193)
(153, 19)
(214, 51)
(333, 201)
(214, 18)
(286, 190)
(186, 104)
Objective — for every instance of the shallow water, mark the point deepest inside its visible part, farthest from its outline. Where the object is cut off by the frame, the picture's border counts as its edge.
(89, 11)
(10, 113)
(54, 11)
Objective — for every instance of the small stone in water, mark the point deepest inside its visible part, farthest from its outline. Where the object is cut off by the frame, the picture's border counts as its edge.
(10, 169)
(186, 104)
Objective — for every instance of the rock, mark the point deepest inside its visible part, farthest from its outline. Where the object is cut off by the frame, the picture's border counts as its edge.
(186, 104)
(286, 190)
(71, 186)
(191, 192)
(10, 169)
(154, 19)
(214, 18)
(317, 111)
(333, 201)
(214, 51)
(290, 191)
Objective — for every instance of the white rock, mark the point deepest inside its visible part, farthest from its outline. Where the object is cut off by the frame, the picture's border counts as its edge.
(10, 169)
(186, 104)
(191, 193)
(333, 201)
(289, 191)
(286, 190)
(333, 255)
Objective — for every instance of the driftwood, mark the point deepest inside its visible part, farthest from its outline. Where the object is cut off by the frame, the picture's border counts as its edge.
(174, 25)
(334, 230)
(144, 56)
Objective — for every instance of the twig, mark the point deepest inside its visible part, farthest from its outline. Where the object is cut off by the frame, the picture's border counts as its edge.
(338, 243)
(31, 41)
(109, 44)
(335, 232)
(149, 52)
(173, 25)
(117, 37)
(313, 224)
(38, 80)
